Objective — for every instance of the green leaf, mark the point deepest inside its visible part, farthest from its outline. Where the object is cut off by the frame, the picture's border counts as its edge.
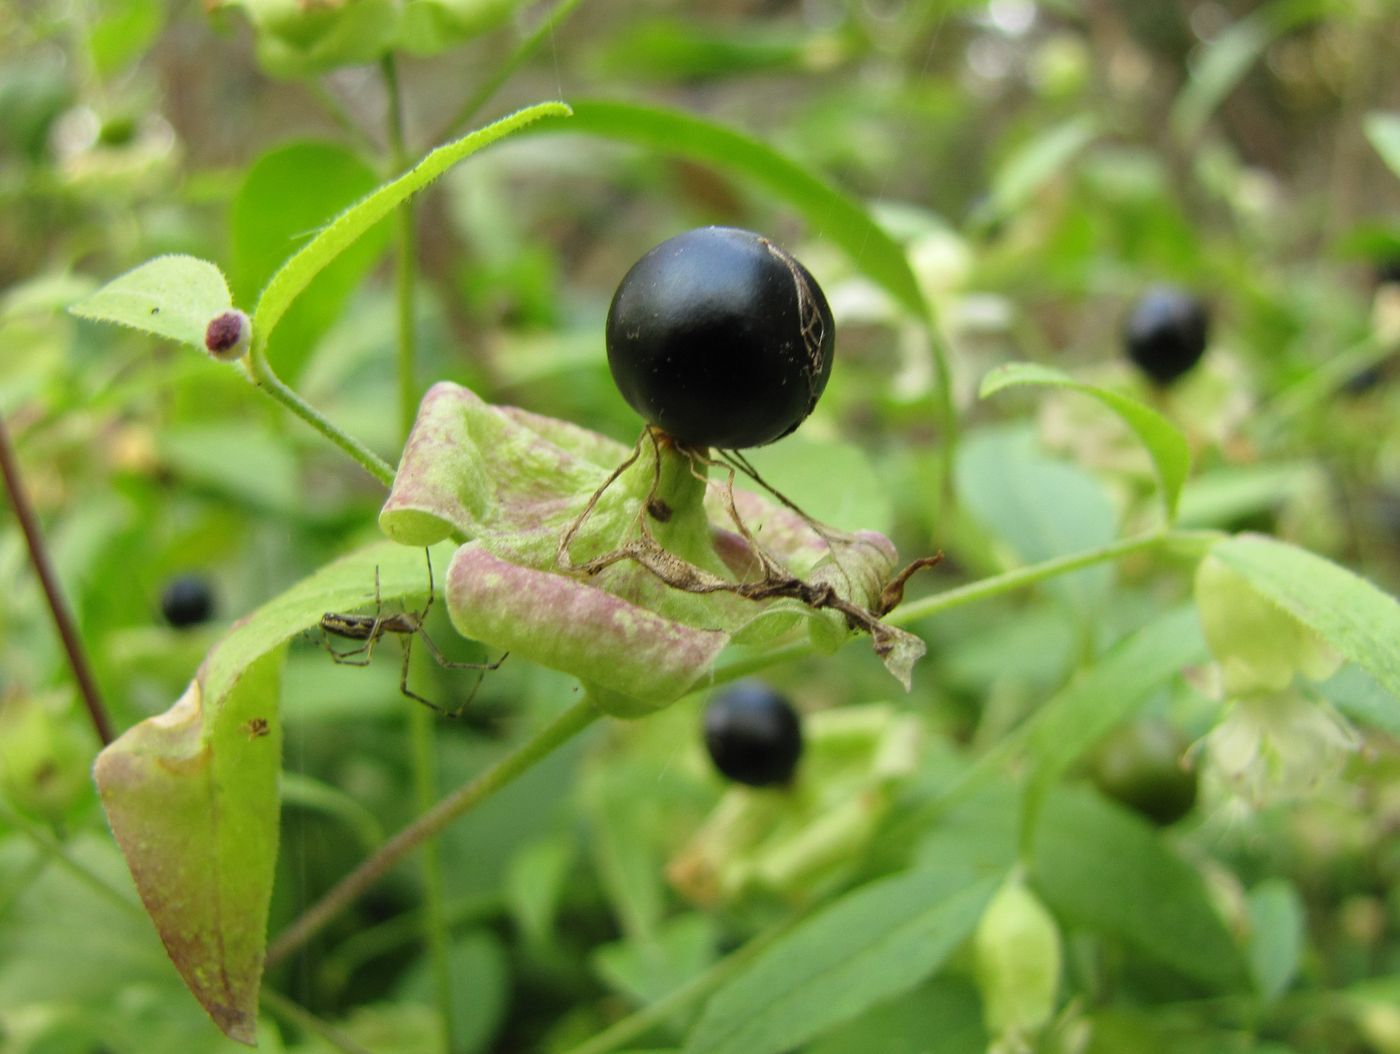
(1383, 129)
(170, 296)
(287, 195)
(1102, 868)
(1348, 612)
(1230, 56)
(296, 274)
(192, 800)
(192, 795)
(1164, 442)
(1042, 508)
(941, 1017)
(1026, 172)
(825, 208)
(1277, 935)
(1110, 691)
(869, 946)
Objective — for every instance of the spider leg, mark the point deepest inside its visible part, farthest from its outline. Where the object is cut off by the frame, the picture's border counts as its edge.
(411, 694)
(447, 664)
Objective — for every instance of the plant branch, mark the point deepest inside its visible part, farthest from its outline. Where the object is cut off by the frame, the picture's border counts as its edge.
(984, 589)
(53, 592)
(262, 376)
(343, 894)
(405, 270)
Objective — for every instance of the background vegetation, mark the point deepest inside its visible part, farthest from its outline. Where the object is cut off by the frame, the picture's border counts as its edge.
(1038, 166)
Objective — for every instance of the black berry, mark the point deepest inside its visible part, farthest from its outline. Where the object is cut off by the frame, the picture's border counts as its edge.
(187, 601)
(1139, 765)
(720, 338)
(1388, 272)
(753, 735)
(1166, 333)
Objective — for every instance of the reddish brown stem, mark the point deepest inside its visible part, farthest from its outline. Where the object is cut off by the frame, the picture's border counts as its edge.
(62, 620)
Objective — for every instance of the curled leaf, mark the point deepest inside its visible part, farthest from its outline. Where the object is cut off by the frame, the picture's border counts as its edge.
(631, 572)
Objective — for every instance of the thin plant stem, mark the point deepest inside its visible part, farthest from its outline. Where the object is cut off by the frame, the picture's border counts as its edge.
(344, 893)
(405, 268)
(522, 52)
(1021, 577)
(420, 722)
(262, 375)
(308, 1022)
(53, 592)
(434, 921)
(649, 1017)
(984, 589)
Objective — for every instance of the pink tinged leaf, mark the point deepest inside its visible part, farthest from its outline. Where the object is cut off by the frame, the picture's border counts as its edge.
(192, 798)
(473, 468)
(569, 625)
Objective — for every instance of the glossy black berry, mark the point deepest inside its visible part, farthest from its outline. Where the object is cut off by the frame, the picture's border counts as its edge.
(187, 601)
(1166, 333)
(753, 734)
(720, 338)
(1139, 764)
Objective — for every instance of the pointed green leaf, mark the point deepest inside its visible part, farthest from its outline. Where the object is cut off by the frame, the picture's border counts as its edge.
(826, 209)
(170, 296)
(1383, 129)
(1348, 612)
(1164, 442)
(1111, 690)
(296, 274)
(870, 946)
(1102, 868)
(192, 794)
(1037, 162)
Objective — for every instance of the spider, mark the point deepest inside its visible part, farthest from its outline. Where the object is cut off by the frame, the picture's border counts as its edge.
(406, 625)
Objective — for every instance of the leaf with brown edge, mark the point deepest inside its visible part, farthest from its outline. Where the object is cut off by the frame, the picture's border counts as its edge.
(192, 799)
(192, 794)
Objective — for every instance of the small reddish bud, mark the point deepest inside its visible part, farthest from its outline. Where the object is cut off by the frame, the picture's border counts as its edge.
(228, 335)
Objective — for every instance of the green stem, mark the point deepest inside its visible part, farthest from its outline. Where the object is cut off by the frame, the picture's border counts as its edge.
(523, 51)
(344, 893)
(420, 719)
(262, 375)
(1021, 577)
(984, 589)
(644, 1020)
(434, 921)
(405, 269)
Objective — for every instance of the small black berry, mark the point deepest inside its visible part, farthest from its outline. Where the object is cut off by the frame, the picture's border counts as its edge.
(187, 601)
(753, 734)
(1166, 333)
(1388, 272)
(720, 338)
